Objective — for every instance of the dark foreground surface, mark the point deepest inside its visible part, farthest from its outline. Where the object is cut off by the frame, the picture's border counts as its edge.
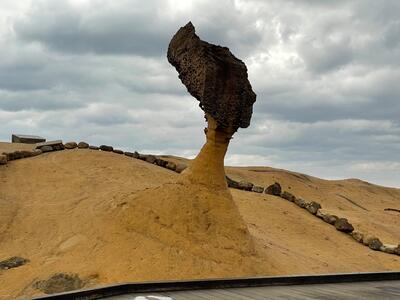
(356, 290)
(381, 285)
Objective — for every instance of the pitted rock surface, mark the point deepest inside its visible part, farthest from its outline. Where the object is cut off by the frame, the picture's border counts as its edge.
(214, 76)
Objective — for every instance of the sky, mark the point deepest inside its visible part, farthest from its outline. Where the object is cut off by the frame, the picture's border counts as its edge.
(326, 75)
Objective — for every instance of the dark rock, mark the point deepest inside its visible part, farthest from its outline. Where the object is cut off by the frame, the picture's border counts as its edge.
(357, 236)
(83, 145)
(70, 145)
(214, 76)
(26, 139)
(94, 147)
(342, 224)
(300, 202)
(288, 196)
(58, 147)
(274, 189)
(106, 148)
(171, 166)
(161, 162)
(118, 151)
(136, 154)
(313, 207)
(232, 183)
(142, 156)
(3, 159)
(180, 167)
(46, 149)
(13, 262)
(129, 154)
(375, 244)
(257, 189)
(245, 185)
(59, 282)
(330, 219)
(151, 159)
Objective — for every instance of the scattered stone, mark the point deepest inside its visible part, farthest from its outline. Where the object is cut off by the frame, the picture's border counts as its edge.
(245, 185)
(129, 154)
(46, 149)
(161, 162)
(342, 224)
(150, 159)
(373, 242)
(83, 145)
(257, 189)
(330, 219)
(388, 248)
(180, 167)
(3, 159)
(118, 151)
(106, 148)
(94, 147)
(13, 262)
(358, 236)
(59, 282)
(171, 166)
(70, 145)
(300, 202)
(313, 207)
(274, 189)
(288, 196)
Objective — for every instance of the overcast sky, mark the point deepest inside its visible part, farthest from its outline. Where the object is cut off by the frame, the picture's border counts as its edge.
(326, 75)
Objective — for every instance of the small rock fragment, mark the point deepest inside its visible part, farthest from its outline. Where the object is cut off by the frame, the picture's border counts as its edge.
(70, 145)
(342, 224)
(83, 145)
(257, 189)
(171, 166)
(358, 236)
(313, 207)
(46, 149)
(274, 189)
(13, 262)
(288, 196)
(118, 151)
(106, 148)
(59, 282)
(3, 159)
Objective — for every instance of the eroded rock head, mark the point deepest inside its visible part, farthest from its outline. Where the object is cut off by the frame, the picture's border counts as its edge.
(214, 76)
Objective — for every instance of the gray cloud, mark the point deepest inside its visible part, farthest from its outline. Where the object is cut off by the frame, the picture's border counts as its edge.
(326, 74)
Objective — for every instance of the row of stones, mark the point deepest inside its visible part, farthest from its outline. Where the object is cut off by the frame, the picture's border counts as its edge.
(341, 224)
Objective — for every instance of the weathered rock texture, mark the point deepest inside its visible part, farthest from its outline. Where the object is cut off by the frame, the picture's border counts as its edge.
(214, 76)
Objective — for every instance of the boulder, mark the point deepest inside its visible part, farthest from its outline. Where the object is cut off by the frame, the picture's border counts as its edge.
(214, 76)
(180, 167)
(83, 145)
(136, 154)
(3, 159)
(274, 189)
(161, 162)
(313, 207)
(91, 147)
(118, 151)
(300, 202)
(330, 219)
(46, 149)
(358, 236)
(245, 185)
(58, 147)
(257, 189)
(13, 262)
(150, 159)
(342, 224)
(106, 148)
(288, 196)
(70, 145)
(171, 166)
(129, 154)
(59, 282)
(373, 242)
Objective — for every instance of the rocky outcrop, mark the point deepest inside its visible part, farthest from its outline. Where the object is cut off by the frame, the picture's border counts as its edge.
(274, 189)
(214, 76)
(13, 262)
(59, 282)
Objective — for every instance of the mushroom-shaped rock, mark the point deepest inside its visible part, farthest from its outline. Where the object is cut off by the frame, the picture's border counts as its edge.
(214, 76)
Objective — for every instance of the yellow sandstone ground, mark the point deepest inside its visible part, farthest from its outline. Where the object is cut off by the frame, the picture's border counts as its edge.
(110, 218)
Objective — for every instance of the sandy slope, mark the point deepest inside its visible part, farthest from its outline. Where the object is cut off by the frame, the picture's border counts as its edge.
(65, 211)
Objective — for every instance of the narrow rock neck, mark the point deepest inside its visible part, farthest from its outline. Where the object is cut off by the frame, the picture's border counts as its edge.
(208, 167)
